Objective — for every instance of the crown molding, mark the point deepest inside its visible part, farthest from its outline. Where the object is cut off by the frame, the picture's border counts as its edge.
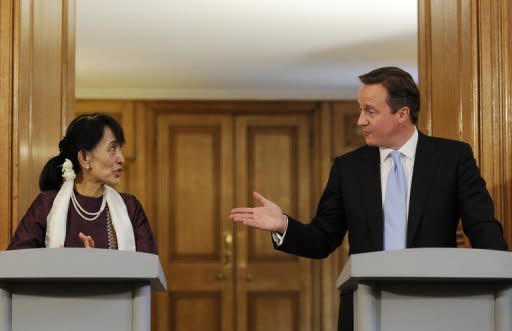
(213, 94)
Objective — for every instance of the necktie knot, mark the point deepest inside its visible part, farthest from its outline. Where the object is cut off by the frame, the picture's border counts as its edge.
(395, 155)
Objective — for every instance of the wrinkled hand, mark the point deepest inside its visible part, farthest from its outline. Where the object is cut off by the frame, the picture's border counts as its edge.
(87, 240)
(269, 217)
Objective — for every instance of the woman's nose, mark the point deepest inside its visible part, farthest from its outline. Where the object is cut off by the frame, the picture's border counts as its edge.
(120, 157)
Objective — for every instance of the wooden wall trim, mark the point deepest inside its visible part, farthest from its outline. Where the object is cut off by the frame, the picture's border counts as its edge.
(6, 104)
(328, 307)
(232, 106)
(68, 62)
(424, 66)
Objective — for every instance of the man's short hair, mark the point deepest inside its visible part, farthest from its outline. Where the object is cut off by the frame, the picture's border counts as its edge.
(402, 90)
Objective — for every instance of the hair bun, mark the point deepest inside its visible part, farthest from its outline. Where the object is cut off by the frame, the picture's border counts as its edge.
(63, 146)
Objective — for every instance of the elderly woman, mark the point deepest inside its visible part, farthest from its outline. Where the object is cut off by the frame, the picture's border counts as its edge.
(77, 206)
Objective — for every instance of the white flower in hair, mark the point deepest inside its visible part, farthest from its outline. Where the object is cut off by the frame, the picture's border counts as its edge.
(67, 170)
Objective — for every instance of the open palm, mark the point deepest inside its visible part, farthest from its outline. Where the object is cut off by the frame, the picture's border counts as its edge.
(268, 217)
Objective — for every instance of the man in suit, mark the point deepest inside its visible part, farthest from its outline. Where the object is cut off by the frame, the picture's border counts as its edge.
(403, 189)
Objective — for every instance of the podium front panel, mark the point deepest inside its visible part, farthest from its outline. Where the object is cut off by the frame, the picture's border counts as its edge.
(72, 306)
(436, 307)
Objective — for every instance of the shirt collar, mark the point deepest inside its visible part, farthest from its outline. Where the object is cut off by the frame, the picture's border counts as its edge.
(408, 149)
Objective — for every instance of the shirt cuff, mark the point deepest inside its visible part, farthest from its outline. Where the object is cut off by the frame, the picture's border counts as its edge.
(279, 238)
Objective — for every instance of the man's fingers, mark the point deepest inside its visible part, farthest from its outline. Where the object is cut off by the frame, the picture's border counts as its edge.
(250, 221)
(244, 210)
(241, 218)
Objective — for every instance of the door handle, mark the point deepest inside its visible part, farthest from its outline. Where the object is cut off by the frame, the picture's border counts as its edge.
(228, 250)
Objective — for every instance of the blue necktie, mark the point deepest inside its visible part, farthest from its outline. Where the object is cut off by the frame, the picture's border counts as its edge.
(395, 206)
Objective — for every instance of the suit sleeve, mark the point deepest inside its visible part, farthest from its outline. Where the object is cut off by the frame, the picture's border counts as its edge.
(327, 229)
(476, 206)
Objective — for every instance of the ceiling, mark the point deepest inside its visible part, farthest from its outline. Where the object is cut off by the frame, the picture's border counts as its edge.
(243, 49)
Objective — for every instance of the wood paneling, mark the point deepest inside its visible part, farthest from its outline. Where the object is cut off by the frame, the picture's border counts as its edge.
(37, 52)
(68, 62)
(195, 311)
(273, 158)
(6, 120)
(449, 101)
(194, 162)
(273, 311)
(465, 56)
(194, 196)
(495, 104)
(38, 81)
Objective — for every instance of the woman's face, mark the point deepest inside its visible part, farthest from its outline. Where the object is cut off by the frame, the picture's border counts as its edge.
(105, 161)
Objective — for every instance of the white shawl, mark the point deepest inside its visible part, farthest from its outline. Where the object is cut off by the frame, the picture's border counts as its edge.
(57, 218)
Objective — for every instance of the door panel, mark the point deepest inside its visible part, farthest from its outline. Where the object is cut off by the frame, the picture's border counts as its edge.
(272, 157)
(186, 307)
(194, 197)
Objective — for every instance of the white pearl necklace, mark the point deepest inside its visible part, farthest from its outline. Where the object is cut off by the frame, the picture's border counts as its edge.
(82, 212)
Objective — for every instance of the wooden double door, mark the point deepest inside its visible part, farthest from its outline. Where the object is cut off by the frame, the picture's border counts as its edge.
(221, 276)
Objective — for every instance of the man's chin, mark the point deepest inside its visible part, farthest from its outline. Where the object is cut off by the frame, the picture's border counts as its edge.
(370, 142)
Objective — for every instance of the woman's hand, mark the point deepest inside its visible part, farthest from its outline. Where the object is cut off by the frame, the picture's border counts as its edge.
(87, 240)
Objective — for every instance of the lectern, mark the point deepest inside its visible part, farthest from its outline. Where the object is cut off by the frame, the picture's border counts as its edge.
(430, 289)
(62, 289)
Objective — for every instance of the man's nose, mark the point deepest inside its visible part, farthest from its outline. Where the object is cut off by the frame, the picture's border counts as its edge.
(361, 120)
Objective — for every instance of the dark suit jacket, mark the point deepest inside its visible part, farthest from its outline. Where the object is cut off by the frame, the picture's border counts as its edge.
(446, 186)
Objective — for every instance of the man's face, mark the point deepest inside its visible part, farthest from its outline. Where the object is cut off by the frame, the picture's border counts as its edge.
(380, 126)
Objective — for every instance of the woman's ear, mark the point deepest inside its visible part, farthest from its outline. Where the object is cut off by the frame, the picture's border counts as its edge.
(83, 159)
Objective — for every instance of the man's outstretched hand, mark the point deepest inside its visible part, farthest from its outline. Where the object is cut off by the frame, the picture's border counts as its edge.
(268, 217)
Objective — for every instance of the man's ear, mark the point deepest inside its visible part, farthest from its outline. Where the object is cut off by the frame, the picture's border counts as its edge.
(404, 113)
(83, 159)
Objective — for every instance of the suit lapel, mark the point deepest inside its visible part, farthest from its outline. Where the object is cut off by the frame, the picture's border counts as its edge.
(371, 196)
(425, 167)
